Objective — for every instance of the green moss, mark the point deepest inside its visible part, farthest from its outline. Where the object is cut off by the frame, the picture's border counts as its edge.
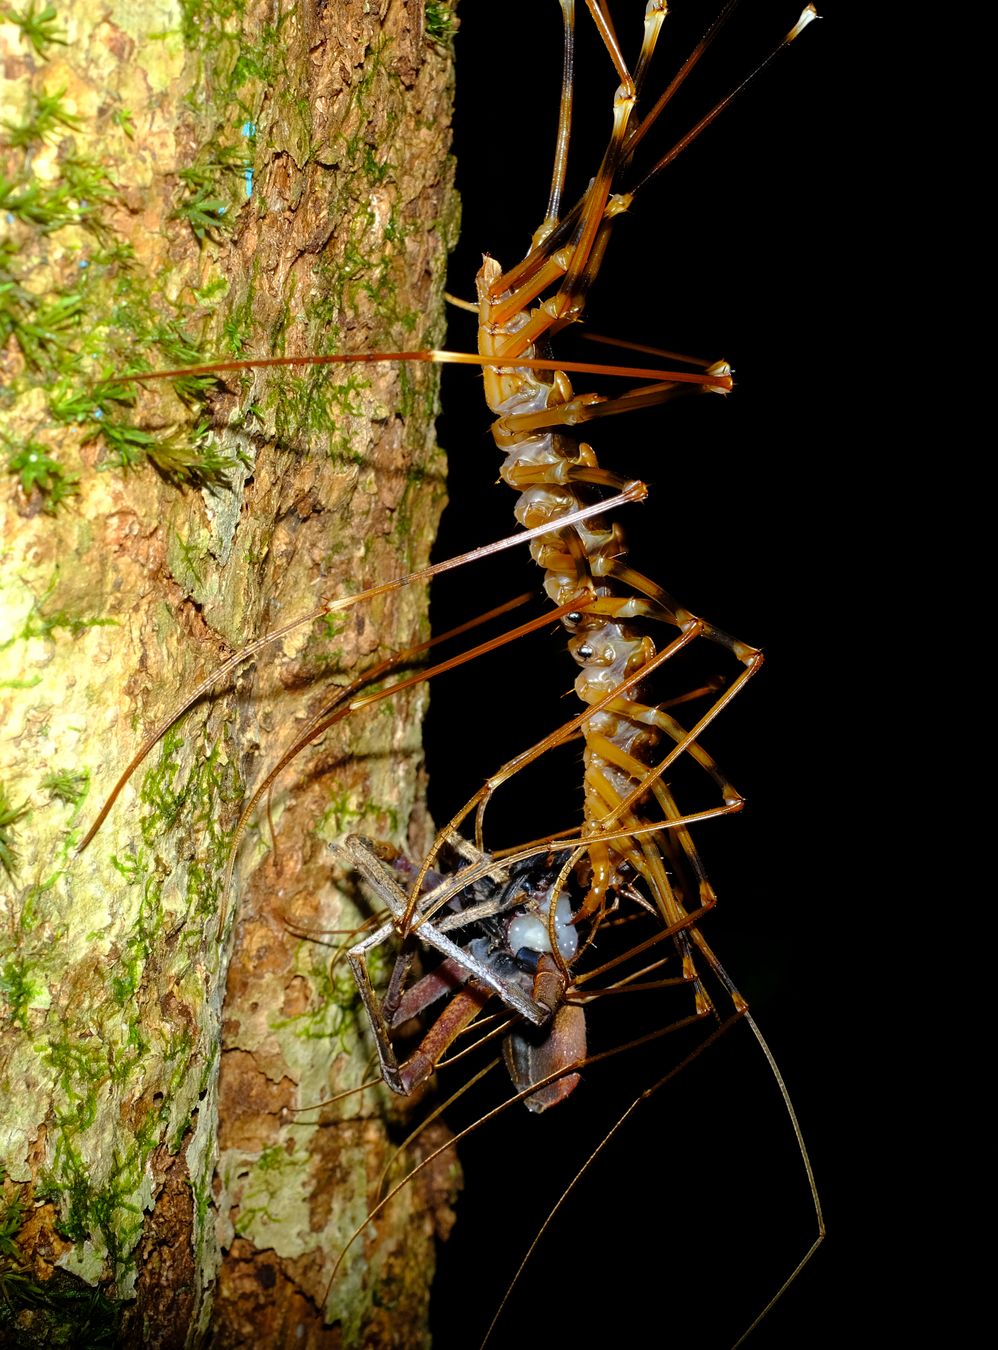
(212, 191)
(44, 116)
(133, 869)
(38, 27)
(328, 629)
(197, 797)
(335, 1004)
(9, 816)
(43, 330)
(89, 1210)
(159, 790)
(60, 1311)
(238, 324)
(17, 990)
(206, 24)
(89, 186)
(112, 314)
(341, 815)
(84, 1063)
(11, 1221)
(212, 291)
(147, 925)
(108, 1213)
(122, 117)
(272, 1158)
(34, 203)
(67, 785)
(44, 625)
(272, 1189)
(439, 22)
(44, 622)
(41, 475)
(30, 916)
(100, 403)
(190, 458)
(202, 1205)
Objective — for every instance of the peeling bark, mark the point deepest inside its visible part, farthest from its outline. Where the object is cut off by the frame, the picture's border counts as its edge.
(152, 1069)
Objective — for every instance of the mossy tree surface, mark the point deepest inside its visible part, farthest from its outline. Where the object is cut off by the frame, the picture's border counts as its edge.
(180, 181)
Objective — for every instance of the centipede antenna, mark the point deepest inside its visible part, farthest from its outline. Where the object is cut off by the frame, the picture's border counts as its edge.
(205, 687)
(501, 1027)
(423, 1162)
(337, 1097)
(614, 1129)
(567, 304)
(439, 1109)
(428, 1120)
(580, 227)
(809, 1171)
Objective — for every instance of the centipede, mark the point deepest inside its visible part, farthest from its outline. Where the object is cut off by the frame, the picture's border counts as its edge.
(560, 918)
(704, 526)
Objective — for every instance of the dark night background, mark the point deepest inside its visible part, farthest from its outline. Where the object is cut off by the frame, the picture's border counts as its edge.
(697, 1211)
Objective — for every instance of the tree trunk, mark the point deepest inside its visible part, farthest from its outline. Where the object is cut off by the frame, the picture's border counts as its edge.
(178, 183)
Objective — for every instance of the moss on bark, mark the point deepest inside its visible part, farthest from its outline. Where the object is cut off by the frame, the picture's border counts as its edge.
(181, 181)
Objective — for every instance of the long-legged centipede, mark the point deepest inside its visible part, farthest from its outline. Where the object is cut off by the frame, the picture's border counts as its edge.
(725, 514)
(651, 1159)
(715, 527)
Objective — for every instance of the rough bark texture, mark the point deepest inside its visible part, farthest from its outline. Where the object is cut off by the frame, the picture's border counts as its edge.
(182, 181)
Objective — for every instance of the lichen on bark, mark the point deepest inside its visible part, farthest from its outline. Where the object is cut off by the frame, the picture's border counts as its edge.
(181, 181)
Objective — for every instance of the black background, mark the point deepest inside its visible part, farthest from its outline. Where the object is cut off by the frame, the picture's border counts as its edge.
(741, 250)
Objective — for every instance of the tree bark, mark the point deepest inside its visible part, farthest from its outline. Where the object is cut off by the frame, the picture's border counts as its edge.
(183, 182)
